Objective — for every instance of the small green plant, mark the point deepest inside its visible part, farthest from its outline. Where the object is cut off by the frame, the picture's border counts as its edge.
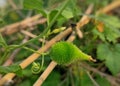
(65, 53)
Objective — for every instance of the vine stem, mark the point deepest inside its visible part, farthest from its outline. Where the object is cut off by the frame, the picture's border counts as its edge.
(48, 28)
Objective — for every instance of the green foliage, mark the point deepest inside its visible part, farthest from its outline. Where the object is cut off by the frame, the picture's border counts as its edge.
(22, 54)
(36, 4)
(11, 69)
(110, 21)
(4, 45)
(111, 34)
(110, 53)
(65, 53)
(68, 12)
(51, 15)
(25, 83)
(111, 31)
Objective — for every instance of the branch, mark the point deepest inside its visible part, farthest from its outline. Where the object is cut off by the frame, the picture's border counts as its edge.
(32, 35)
(92, 79)
(12, 28)
(110, 7)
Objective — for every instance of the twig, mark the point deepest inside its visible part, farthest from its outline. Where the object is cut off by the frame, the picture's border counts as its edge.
(94, 82)
(72, 36)
(34, 46)
(12, 56)
(31, 35)
(86, 19)
(71, 76)
(79, 33)
(110, 7)
(40, 21)
(12, 28)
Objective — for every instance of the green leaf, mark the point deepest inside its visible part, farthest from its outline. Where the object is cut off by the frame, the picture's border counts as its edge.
(11, 69)
(110, 21)
(111, 28)
(99, 34)
(111, 54)
(111, 34)
(36, 5)
(67, 13)
(61, 18)
(72, 10)
(33, 4)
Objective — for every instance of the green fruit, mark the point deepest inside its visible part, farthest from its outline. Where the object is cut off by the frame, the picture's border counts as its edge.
(65, 53)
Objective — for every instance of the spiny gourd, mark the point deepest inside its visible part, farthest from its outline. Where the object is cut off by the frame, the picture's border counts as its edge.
(65, 53)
